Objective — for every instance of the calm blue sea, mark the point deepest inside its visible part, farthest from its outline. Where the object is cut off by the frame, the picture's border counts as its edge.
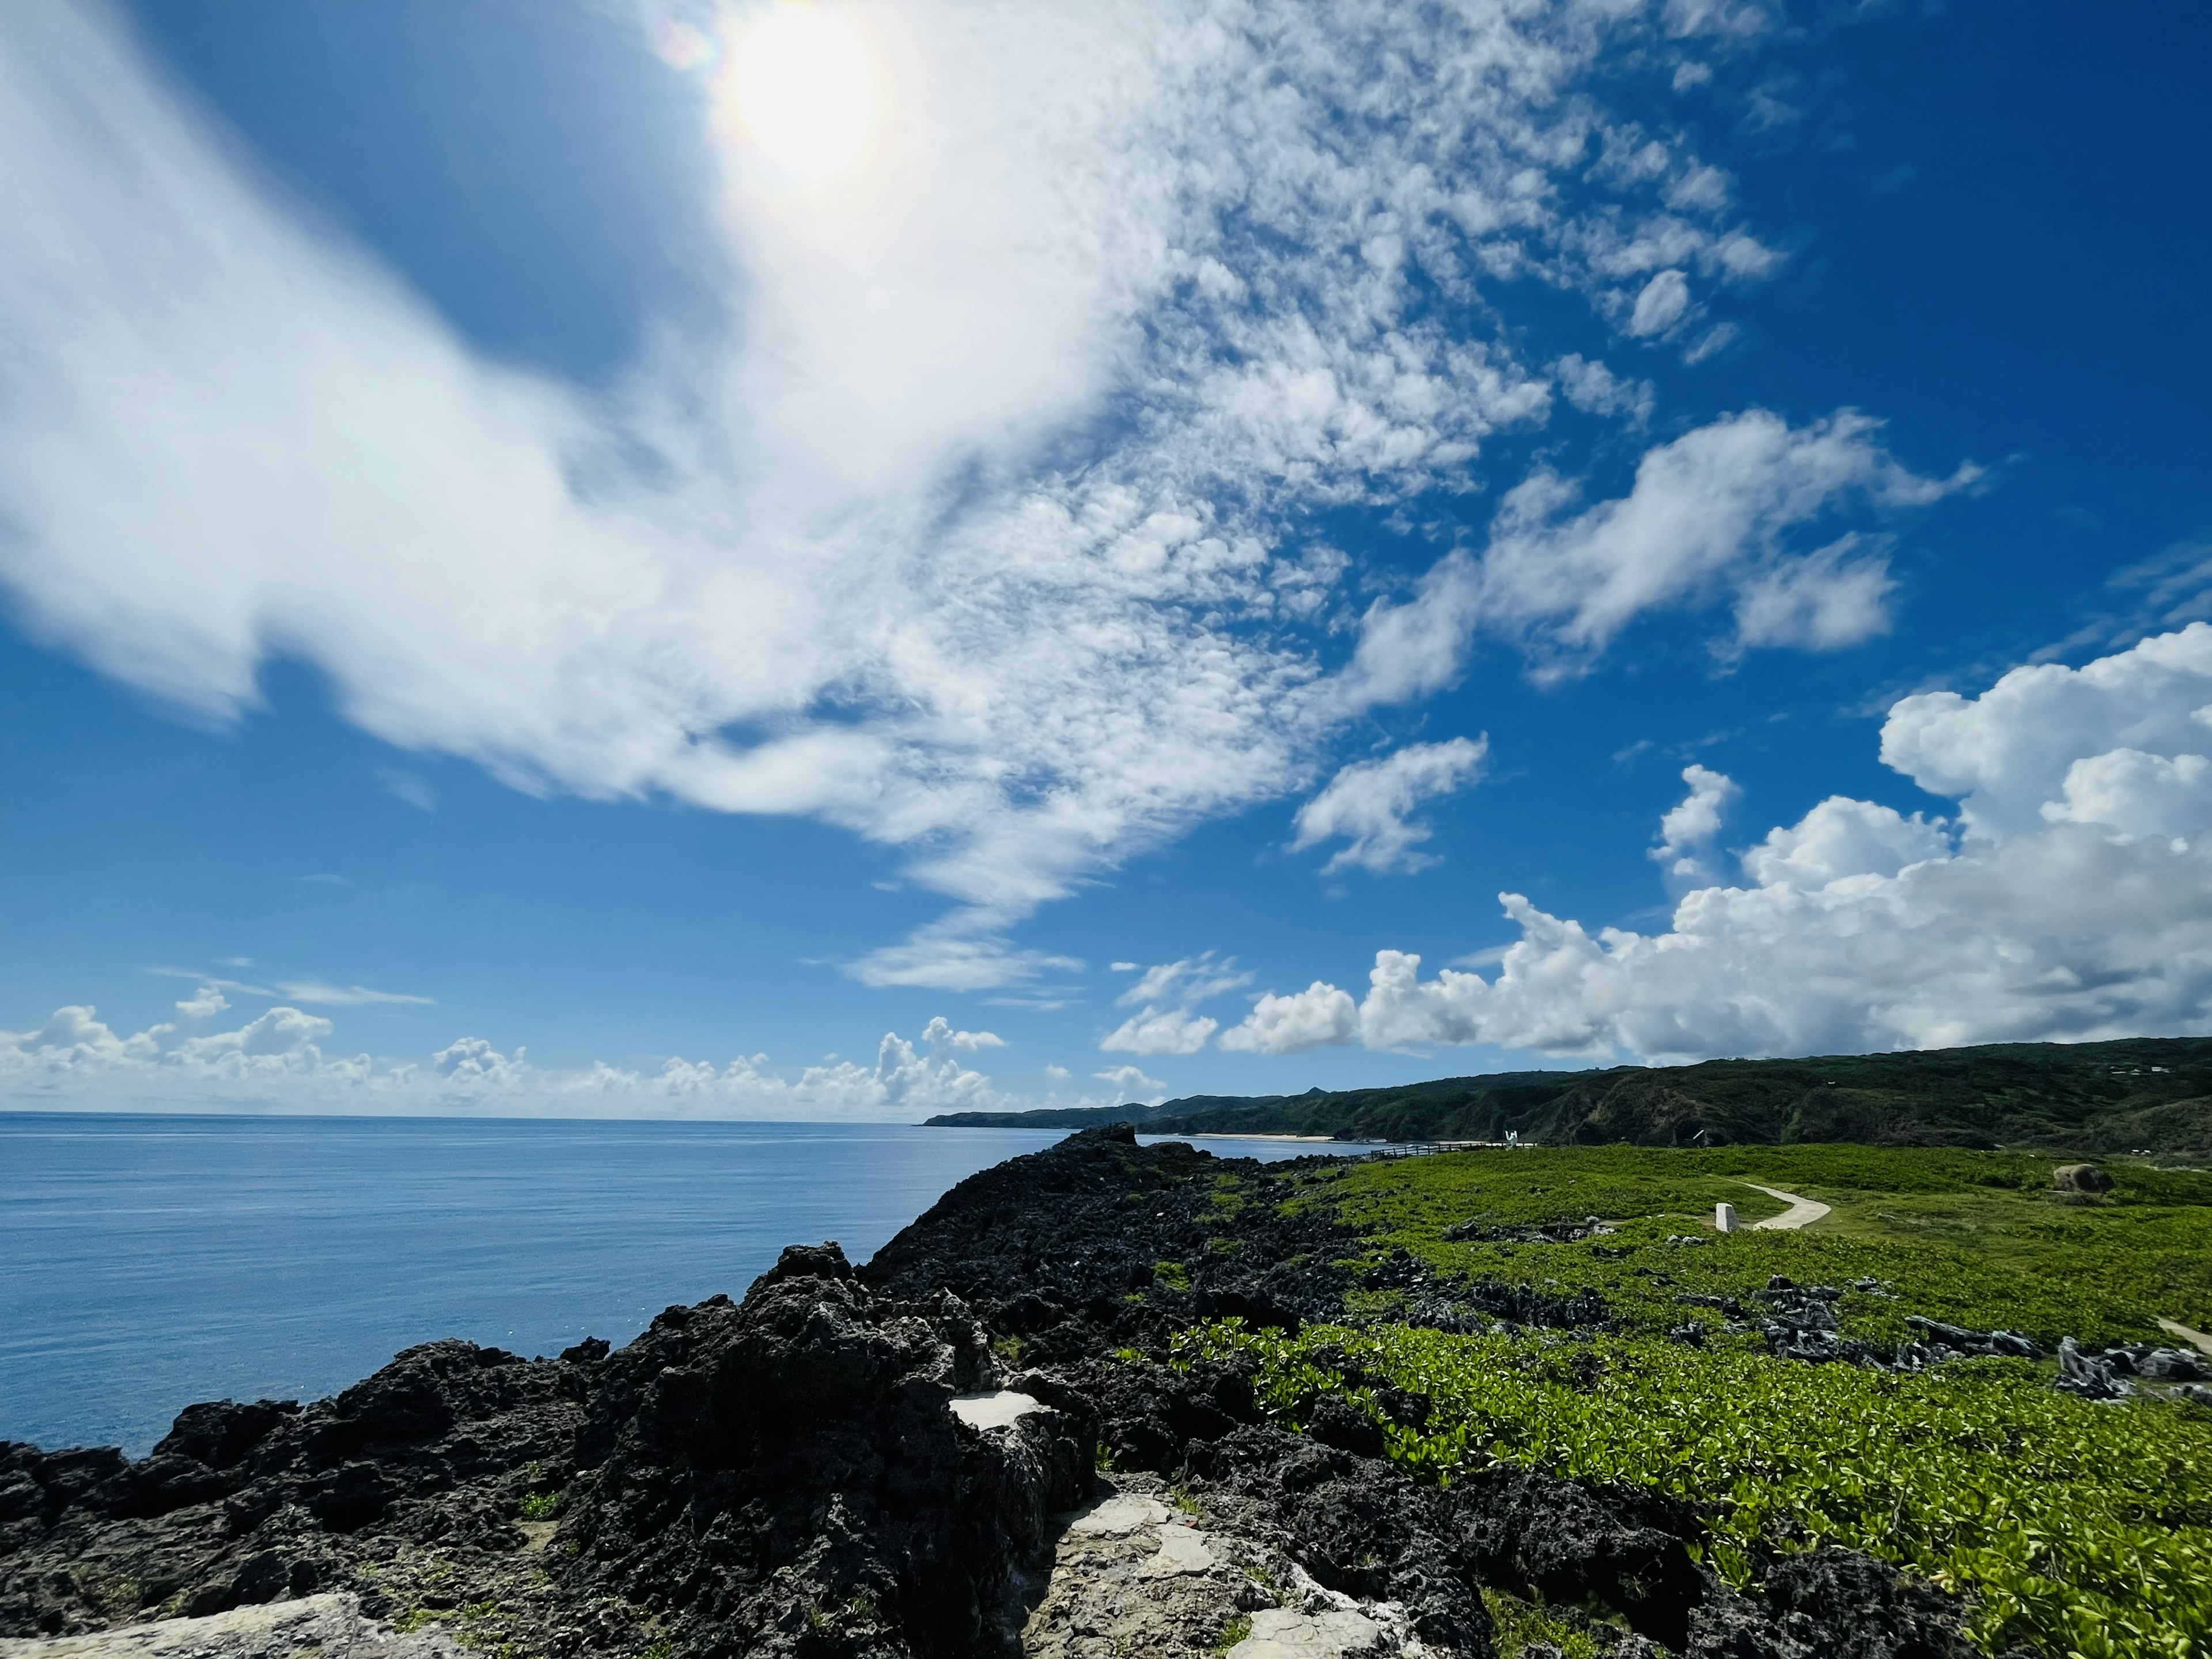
(149, 1262)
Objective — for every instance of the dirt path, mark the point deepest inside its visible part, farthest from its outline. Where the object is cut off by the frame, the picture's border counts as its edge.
(1802, 1212)
(2196, 1339)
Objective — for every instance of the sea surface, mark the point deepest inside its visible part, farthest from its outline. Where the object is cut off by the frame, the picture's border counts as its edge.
(147, 1262)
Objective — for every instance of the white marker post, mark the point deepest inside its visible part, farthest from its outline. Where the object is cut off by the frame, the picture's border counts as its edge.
(1724, 1218)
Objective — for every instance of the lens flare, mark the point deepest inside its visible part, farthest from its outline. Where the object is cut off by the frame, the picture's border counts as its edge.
(800, 84)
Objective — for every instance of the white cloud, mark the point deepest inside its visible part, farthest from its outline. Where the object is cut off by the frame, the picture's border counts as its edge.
(1834, 597)
(1593, 388)
(316, 991)
(1319, 1014)
(939, 1032)
(1661, 304)
(1192, 979)
(1058, 1073)
(277, 1062)
(410, 787)
(1371, 804)
(999, 564)
(2076, 903)
(1178, 1032)
(1128, 1081)
(1687, 832)
(1711, 513)
(1843, 838)
(962, 953)
(2006, 755)
(204, 1003)
(1158, 1029)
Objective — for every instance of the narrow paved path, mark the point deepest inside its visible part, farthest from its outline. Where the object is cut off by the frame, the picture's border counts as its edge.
(2196, 1339)
(1802, 1212)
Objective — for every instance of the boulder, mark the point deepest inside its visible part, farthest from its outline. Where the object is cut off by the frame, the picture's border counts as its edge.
(2081, 1178)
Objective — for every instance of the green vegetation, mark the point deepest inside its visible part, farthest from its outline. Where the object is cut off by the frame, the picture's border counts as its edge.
(2103, 1099)
(1233, 1632)
(1520, 1626)
(1173, 1274)
(1973, 1239)
(2085, 1528)
(543, 1501)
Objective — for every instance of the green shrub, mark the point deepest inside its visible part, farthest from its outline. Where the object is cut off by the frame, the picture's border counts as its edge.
(2083, 1528)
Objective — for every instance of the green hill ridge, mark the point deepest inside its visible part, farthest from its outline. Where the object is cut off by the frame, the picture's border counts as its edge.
(2136, 1095)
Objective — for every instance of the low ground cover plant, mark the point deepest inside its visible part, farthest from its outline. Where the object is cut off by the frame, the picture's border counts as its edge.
(2085, 1527)
(1973, 1239)
(2079, 1527)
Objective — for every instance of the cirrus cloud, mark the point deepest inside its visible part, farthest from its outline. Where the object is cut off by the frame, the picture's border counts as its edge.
(1000, 564)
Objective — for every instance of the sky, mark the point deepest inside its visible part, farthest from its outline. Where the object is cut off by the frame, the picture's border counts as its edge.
(856, 559)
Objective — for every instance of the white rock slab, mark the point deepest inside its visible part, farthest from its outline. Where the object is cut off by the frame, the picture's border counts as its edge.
(993, 1411)
(1120, 1515)
(1287, 1633)
(313, 1628)
(1182, 1550)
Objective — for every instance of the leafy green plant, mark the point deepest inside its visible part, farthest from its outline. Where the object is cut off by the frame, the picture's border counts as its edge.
(1976, 1238)
(1518, 1625)
(2083, 1528)
(1173, 1274)
(1233, 1632)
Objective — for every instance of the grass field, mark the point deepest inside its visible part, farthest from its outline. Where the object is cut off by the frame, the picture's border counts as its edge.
(2078, 1527)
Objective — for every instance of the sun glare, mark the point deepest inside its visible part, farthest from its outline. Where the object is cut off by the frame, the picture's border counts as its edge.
(800, 84)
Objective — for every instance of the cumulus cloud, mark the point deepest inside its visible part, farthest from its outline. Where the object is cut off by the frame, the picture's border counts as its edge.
(2071, 899)
(204, 1003)
(1371, 804)
(278, 1061)
(1687, 831)
(1001, 564)
(2006, 755)
(1318, 1015)
(939, 1033)
(1712, 511)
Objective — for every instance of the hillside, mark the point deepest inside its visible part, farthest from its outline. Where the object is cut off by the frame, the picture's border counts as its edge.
(2138, 1094)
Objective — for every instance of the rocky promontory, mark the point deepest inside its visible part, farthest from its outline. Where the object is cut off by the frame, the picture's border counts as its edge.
(969, 1445)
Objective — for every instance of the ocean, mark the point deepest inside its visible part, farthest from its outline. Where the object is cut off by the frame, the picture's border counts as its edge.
(148, 1261)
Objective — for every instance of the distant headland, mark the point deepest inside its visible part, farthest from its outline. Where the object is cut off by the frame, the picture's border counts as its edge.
(2136, 1095)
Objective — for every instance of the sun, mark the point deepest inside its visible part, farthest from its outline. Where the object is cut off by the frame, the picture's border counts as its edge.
(800, 84)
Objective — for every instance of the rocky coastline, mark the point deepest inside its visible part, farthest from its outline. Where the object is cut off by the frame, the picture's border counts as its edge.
(968, 1445)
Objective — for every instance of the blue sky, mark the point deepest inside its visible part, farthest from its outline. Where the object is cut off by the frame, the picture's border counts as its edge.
(584, 558)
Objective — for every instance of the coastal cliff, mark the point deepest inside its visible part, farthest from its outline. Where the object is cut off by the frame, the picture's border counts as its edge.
(971, 1444)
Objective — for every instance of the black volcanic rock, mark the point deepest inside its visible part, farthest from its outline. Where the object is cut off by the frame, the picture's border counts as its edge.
(1097, 1243)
